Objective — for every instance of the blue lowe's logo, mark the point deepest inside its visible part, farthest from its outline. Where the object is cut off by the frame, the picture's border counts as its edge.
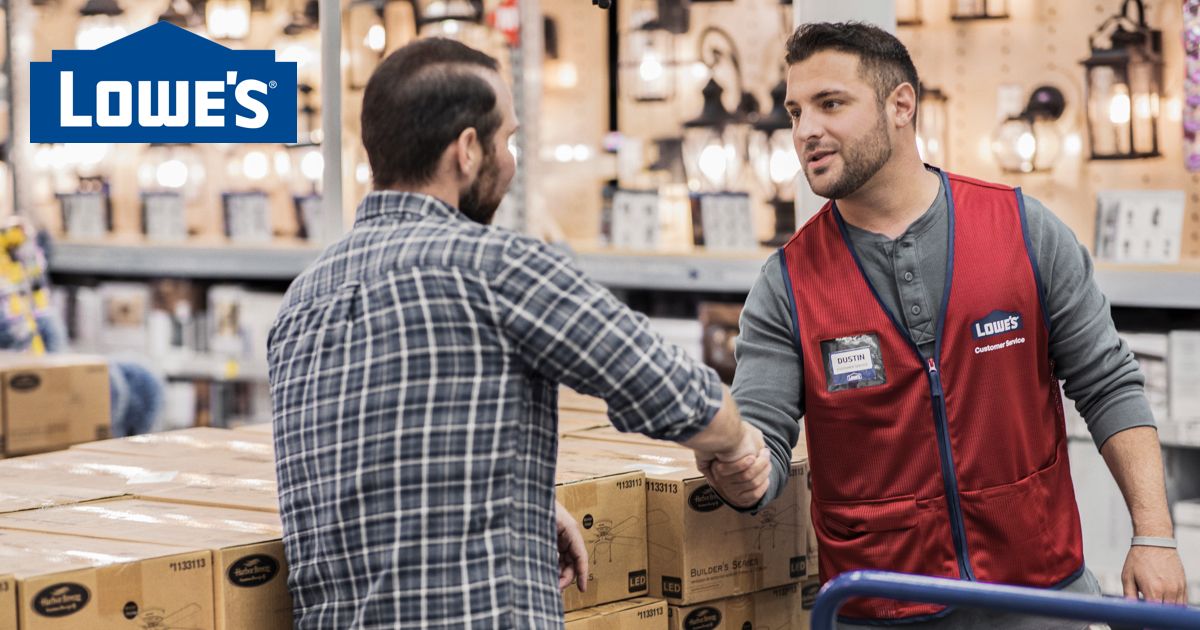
(996, 323)
(163, 84)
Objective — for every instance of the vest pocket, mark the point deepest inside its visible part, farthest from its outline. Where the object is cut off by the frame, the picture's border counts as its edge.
(889, 534)
(1012, 531)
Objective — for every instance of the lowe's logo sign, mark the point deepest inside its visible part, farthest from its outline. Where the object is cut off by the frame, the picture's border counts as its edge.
(163, 84)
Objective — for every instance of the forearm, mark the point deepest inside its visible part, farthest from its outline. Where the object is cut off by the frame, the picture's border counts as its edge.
(723, 432)
(1134, 457)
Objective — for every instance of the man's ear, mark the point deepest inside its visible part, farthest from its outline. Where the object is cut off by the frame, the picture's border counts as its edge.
(467, 152)
(903, 104)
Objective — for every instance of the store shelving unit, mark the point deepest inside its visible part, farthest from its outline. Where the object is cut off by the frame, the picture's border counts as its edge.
(274, 261)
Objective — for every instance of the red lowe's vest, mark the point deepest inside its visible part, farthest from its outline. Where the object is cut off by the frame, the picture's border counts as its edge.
(952, 467)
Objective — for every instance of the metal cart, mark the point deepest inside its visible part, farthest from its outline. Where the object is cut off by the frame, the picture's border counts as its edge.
(918, 588)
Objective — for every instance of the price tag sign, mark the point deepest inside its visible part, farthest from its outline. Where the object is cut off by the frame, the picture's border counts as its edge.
(247, 217)
(164, 216)
(85, 214)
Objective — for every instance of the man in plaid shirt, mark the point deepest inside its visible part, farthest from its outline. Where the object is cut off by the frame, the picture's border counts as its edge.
(414, 373)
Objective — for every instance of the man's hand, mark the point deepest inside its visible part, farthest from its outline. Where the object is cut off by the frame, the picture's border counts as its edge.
(742, 473)
(572, 553)
(1156, 573)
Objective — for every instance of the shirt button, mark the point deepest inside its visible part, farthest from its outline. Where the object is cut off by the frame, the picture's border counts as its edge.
(916, 310)
(908, 277)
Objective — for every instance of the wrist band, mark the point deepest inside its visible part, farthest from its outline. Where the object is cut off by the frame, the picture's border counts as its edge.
(1151, 541)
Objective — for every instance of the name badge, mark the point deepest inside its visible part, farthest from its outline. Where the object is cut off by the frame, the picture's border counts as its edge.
(853, 362)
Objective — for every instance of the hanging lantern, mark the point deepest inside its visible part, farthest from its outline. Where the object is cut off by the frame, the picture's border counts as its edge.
(366, 38)
(181, 14)
(649, 66)
(932, 126)
(775, 163)
(979, 9)
(1029, 141)
(908, 13)
(227, 19)
(100, 24)
(711, 155)
(301, 43)
(1124, 85)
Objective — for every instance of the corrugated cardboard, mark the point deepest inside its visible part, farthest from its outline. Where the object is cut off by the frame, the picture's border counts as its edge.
(201, 480)
(250, 571)
(610, 507)
(700, 549)
(781, 608)
(573, 421)
(52, 401)
(65, 582)
(263, 428)
(569, 399)
(8, 601)
(197, 442)
(17, 494)
(642, 613)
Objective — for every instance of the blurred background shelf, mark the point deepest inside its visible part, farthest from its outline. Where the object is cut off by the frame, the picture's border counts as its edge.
(282, 260)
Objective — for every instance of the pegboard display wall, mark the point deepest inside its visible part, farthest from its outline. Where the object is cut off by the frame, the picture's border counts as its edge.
(1042, 43)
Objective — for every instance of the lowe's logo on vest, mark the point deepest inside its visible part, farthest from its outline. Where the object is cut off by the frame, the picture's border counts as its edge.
(163, 84)
(996, 323)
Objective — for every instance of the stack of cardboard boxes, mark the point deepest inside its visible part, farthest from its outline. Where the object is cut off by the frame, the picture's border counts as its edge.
(50, 402)
(181, 530)
(715, 567)
(171, 530)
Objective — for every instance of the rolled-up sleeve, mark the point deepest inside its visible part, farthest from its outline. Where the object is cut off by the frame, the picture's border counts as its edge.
(573, 331)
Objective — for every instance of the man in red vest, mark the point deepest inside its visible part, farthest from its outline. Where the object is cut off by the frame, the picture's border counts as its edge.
(920, 323)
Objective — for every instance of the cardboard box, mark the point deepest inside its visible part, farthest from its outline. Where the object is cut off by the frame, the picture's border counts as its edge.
(610, 507)
(17, 494)
(263, 428)
(700, 549)
(569, 399)
(63, 582)
(205, 443)
(8, 601)
(575, 421)
(95, 474)
(52, 401)
(642, 613)
(782, 608)
(249, 581)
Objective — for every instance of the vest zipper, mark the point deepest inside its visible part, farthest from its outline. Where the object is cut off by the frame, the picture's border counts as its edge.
(949, 475)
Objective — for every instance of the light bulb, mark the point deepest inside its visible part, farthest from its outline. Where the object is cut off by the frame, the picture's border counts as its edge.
(283, 165)
(784, 165)
(362, 173)
(376, 38)
(1118, 109)
(311, 165)
(96, 31)
(712, 163)
(255, 165)
(1026, 146)
(651, 68)
(580, 153)
(563, 153)
(172, 173)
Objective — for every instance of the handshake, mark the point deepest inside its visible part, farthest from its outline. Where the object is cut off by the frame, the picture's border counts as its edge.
(740, 474)
(731, 454)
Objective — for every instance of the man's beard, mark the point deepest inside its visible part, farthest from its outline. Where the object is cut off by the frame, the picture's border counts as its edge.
(472, 201)
(860, 162)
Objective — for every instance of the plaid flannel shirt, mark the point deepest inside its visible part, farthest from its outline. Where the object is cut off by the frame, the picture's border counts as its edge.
(414, 371)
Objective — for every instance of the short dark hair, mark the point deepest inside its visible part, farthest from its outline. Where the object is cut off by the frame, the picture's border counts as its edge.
(418, 101)
(882, 59)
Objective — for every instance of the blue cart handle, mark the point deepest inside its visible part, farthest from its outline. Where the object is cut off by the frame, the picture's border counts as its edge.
(1017, 599)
